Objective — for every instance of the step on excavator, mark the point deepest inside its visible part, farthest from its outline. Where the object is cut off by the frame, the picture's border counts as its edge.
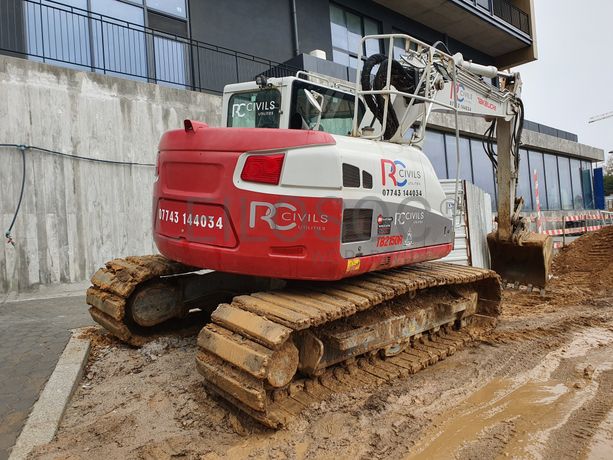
(307, 230)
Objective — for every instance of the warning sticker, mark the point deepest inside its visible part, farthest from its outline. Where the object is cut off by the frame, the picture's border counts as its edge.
(353, 265)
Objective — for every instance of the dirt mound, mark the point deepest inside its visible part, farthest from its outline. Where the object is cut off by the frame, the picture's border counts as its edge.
(582, 274)
(592, 252)
(584, 269)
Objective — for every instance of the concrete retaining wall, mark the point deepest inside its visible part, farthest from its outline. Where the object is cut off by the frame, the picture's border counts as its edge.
(77, 214)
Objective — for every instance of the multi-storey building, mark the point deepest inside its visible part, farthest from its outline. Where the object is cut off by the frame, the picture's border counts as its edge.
(202, 45)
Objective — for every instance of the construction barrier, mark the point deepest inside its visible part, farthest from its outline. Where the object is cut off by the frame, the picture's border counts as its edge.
(597, 219)
(590, 221)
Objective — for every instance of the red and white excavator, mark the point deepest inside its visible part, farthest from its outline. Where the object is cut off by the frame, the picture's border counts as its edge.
(317, 217)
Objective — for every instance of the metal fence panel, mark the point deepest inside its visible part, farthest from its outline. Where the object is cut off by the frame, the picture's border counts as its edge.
(72, 37)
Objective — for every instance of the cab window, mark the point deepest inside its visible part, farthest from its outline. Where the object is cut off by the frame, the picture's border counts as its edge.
(255, 109)
(337, 115)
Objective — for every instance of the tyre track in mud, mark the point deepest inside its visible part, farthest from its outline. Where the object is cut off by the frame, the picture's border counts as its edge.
(518, 349)
(573, 439)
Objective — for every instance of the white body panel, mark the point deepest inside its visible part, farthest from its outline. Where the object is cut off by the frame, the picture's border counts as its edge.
(409, 207)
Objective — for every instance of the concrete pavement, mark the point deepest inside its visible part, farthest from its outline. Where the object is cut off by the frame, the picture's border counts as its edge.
(33, 335)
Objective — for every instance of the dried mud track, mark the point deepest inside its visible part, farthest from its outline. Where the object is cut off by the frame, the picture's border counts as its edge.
(114, 284)
(247, 349)
(281, 406)
(248, 353)
(548, 398)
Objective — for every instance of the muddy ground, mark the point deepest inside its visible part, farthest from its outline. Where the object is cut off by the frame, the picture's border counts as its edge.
(539, 386)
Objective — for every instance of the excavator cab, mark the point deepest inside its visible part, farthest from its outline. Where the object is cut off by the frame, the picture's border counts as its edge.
(304, 102)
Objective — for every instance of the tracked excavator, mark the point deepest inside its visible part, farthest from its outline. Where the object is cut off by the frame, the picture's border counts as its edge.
(307, 230)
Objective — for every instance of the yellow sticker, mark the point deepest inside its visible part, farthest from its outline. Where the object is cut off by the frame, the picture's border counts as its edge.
(353, 265)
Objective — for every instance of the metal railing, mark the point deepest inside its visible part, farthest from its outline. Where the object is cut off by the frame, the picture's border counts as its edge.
(72, 37)
(511, 14)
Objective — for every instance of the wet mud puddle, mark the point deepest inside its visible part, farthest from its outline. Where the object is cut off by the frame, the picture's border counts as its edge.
(514, 417)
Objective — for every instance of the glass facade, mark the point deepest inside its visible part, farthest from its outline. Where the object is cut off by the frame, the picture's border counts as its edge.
(174, 7)
(586, 180)
(109, 36)
(537, 171)
(400, 45)
(564, 183)
(482, 169)
(48, 29)
(575, 174)
(434, 147)
(347, 29)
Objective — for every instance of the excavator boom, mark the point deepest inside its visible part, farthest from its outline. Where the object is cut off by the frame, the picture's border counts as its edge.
(426, 80)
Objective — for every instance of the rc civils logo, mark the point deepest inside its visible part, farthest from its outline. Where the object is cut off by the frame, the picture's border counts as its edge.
(283, 216)
(395, 172)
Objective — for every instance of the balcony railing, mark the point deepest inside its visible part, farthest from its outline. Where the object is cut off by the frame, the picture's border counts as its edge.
(511, 14)
(505, 10)
(71, 37)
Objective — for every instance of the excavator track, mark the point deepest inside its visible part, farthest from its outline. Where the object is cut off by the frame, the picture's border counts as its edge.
(275, 349)
(113, 285)
(271, 354)
(140, 298)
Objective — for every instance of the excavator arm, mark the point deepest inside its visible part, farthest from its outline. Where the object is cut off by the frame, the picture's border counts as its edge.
(402, 94)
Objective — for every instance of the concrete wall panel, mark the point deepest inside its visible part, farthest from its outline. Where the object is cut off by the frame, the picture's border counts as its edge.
(77, 214)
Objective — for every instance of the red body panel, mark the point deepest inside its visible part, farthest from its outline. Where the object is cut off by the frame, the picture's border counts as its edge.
(200, 218)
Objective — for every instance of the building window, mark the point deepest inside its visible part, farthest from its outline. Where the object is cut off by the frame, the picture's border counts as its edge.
(434, 148)
(536, 163)
(566, 188)
(123, 38)
(523, 187)
(575, 175)
(348, 29)
(586, 180)
(465, 160)
(119, 50)
(174, 7)
(58, 34)
(483, 170)
(553, 184)
(400, 45)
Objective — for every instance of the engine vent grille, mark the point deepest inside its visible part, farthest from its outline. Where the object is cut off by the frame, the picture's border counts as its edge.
(351, 175)
(366, 179)
(357, 225)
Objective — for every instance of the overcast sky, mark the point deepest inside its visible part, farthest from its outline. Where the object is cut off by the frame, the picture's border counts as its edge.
(572, 79)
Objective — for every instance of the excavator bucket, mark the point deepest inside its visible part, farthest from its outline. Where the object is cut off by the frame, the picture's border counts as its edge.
(528, 263)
